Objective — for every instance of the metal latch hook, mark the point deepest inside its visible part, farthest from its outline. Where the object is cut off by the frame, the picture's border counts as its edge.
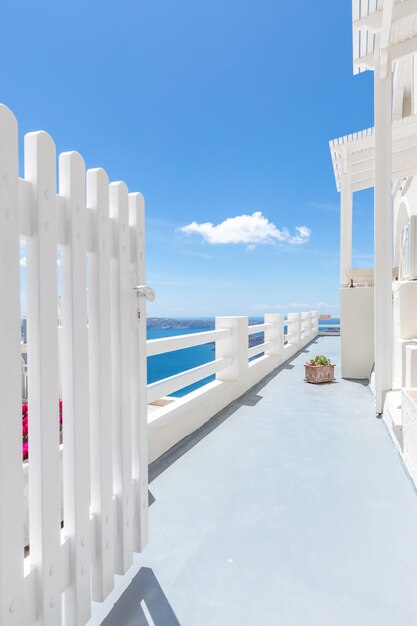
(145, 291)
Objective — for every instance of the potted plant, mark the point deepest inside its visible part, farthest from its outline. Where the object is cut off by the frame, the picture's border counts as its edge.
(319, 370)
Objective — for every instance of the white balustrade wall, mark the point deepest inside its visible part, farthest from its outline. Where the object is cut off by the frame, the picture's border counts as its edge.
(234, 365)
(96, 481)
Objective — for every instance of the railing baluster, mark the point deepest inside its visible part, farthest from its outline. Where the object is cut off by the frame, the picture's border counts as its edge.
(274, 334)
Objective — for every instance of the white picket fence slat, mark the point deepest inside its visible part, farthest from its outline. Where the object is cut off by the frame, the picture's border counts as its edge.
(11, 475)
(99, 320)
(122, 425)
(139, 378)
(43, 382)
(75, 390)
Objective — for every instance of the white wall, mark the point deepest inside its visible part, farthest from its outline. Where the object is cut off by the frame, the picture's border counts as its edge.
(357, 331)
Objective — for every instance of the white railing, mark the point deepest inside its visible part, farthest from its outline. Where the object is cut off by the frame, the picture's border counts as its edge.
(169, 385)
(228, 345)
(97, 482)
(178, 342)
(234, 368)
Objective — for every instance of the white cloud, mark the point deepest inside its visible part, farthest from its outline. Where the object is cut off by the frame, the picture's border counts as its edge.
(294, 306)
(246, 229)
(23, 261)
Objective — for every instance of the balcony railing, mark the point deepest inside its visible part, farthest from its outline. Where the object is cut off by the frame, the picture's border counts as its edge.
(237, 366)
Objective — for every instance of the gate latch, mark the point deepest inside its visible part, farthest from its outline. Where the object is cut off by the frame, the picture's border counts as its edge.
(143, 291)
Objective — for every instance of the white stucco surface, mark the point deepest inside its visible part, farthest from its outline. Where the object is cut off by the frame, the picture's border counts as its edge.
(357, 331)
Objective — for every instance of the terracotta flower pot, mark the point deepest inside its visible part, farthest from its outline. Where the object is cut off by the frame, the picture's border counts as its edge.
(319, 373)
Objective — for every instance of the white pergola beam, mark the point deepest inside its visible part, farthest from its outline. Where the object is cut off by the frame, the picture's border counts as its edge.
(358, 184)
(373, 22)
(358, 150)
(387, 17)
(397, 51)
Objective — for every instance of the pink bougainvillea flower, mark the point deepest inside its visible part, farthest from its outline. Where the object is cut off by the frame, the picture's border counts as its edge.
(25, 427)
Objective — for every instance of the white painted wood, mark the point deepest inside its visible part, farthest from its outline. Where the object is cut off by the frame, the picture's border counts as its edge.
(258, 349)
(234, 347)
(100, 384)
(346, 210)
(290, 321)
(25, 208)
(295, 337)
(314, 322)
(11, 479)
(354, 155)
(178, 342)
(42, 331)
(121, 402)
(65, 577)
(139, 373)
(258, 328)
(383, 236)
(355, 32)
(76, 427)
(169, 385)
(274, 333)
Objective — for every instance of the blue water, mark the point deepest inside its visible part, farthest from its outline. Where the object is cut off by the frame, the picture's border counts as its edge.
(165, 365)
(171, 363)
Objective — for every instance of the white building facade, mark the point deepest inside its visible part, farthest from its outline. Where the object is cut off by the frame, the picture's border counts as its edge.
(378, 306)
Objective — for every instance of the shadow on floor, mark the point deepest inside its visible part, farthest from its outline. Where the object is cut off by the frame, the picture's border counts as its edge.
(143, 603)
(250, 398)
(364, 382)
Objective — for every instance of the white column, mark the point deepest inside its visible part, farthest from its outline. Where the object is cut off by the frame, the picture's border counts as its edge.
(295, 328)
(275, 334)
(383, 233)
(234, 347)
(345, 229)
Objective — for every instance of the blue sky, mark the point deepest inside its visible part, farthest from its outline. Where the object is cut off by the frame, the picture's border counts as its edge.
(214, 110)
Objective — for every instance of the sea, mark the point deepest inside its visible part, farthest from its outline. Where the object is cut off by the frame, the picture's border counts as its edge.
(171, 363)
(165, 365)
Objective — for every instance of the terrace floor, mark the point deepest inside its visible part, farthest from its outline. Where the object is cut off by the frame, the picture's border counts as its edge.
(291, 508)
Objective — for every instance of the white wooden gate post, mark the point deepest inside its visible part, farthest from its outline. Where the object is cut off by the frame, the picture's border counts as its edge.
(44, 475)
(75, 389)
(100, 384)
(383, 233)
(275, 335)
(138, 372)
(234, 347)
(11, 478)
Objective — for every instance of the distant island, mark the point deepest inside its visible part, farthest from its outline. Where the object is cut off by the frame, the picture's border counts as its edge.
(164, 323)
(167, 323)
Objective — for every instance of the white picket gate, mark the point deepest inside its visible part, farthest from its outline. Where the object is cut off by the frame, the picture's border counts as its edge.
(99, 230)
